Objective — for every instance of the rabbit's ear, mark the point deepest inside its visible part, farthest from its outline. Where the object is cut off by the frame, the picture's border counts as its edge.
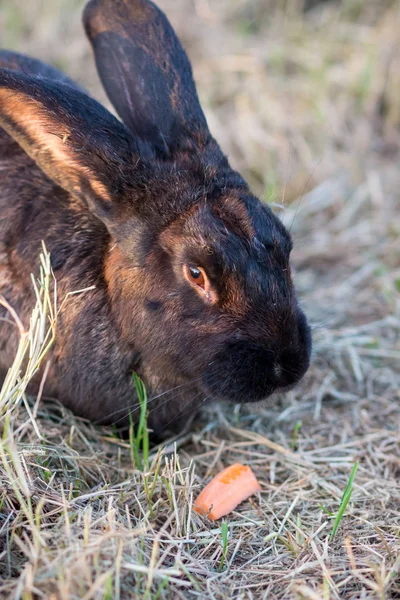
(73, 139)
(146, 73)
(33, 66)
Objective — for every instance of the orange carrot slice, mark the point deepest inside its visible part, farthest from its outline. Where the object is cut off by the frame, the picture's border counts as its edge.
(228, 489)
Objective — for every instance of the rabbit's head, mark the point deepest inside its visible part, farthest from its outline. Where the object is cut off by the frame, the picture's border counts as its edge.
(197, 269)
(227, 289)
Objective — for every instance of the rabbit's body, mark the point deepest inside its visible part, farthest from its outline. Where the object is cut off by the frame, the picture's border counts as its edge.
(188, 273)
(91, 361)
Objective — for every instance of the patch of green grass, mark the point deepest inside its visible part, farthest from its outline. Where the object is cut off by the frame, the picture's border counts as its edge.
(344, 501)
(139, 439)
(224, 536)
(296, 431)
(247, 27)
(271, 187)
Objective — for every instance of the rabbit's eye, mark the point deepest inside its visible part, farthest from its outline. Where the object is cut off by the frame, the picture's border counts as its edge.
(198, 279)
(195, 275)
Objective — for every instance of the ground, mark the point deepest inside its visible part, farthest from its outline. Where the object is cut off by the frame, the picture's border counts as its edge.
(307, 105)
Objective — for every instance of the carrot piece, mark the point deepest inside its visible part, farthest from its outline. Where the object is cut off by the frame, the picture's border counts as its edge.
(226, 490)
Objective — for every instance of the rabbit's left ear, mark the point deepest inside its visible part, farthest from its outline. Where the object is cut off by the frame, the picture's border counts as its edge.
(146, 73)
(76, 142)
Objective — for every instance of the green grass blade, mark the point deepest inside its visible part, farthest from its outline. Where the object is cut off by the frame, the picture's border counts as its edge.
(224, 536)
(140, 440)
(344, 501)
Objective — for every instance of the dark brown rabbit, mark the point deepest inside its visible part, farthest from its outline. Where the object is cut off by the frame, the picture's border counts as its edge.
(192, 285)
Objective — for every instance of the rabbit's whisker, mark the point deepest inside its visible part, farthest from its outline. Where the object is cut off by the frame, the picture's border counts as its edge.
(135, 407)
(131, 408)
(184, 412)
(158, 407)
(128, 410)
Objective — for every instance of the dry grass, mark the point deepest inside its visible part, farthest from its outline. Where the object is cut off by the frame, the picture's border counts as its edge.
(309, 107)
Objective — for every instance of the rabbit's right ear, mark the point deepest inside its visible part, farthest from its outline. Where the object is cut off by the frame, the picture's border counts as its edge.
(146, 73)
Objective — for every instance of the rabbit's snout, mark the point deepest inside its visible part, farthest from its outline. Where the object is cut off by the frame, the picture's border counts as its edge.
(245, 370)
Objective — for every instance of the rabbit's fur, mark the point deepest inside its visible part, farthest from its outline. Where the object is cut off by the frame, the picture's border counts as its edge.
(123, 208)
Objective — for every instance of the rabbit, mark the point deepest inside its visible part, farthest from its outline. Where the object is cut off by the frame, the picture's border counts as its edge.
(187, 273)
